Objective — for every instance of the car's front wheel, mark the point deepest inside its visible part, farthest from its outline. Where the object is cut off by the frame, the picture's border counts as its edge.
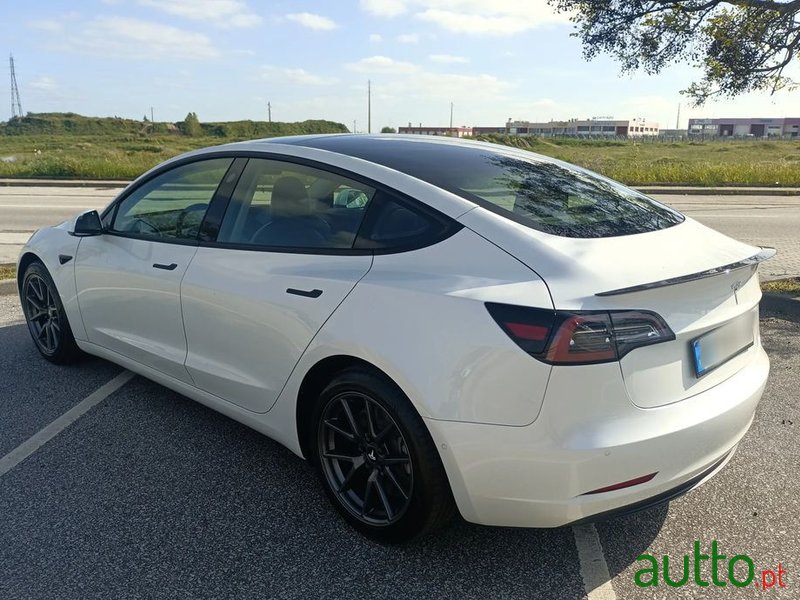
(377, 460)
(45, 315)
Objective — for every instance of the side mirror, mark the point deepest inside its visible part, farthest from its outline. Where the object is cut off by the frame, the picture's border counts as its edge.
(88, 224)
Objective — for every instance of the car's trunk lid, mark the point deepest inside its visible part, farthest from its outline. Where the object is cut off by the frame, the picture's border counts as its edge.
(579, 271)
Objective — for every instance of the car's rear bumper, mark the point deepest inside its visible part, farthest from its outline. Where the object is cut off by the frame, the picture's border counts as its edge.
(584, 439)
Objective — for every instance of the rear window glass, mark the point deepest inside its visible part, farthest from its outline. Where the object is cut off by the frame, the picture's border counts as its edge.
(539, 193)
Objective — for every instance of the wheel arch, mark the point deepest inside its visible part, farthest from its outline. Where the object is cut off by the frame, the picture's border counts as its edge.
(315, 380)
(24, 262)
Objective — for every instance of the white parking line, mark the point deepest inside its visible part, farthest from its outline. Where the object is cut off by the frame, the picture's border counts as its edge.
(41, 437)
(594, 570)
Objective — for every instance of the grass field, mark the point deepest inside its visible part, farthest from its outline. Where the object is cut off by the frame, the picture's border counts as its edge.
(91, 156)
(701, 163)
(710, 163)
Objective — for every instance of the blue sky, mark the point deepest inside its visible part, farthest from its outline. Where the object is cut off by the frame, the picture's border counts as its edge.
(225, 59)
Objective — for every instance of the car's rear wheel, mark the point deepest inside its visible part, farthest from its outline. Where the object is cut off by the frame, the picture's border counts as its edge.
(45, 315)
(377, 460)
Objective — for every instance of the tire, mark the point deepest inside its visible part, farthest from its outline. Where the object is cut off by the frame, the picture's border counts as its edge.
(46, 317)
(376, 459)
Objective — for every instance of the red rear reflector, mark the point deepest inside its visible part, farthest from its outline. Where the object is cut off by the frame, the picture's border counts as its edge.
(623, 484)
(536, 333)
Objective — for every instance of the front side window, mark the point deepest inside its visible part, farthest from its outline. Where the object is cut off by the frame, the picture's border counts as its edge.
(172, 205)
(286, 205)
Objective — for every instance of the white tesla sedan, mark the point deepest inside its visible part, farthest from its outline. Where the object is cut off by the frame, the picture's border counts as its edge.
(435, 324)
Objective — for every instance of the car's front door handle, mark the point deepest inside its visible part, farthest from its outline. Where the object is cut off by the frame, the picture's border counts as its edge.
(170, 267)
(306, 293)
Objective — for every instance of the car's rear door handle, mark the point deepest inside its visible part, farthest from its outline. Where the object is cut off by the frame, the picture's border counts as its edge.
(170, 267)
(306, 293)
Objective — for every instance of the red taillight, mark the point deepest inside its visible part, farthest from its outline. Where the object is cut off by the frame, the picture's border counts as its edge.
(536, 333)
(584, 337)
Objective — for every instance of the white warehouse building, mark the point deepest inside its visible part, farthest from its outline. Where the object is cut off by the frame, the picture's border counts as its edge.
(596, 127)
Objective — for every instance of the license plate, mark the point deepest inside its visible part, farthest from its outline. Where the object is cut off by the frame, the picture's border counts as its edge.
(718, 346)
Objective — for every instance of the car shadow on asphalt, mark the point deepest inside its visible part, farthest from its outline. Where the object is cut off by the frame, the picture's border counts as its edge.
(151, 494)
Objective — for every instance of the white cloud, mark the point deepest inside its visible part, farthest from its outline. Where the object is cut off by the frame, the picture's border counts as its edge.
(224, 13)
(382, 64)
(384, 8)
(298, 76)
(312, 21)
(489, 22)
(43, 84)
(448, 58)
(375, 37)
(478, 17)
(408, 38)
(49, 25)
(125, 37)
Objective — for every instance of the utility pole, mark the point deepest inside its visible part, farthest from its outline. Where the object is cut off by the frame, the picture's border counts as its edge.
(369, 106)
(678, 120)
(151, 114)
(451, 115)
(269, 111)
(354, 126)
(16, 104)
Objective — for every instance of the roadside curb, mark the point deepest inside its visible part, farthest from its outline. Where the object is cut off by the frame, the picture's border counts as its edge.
(718, 191)
(780, 306)
(83, 183)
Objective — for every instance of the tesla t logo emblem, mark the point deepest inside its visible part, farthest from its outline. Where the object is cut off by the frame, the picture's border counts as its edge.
(371, 454)
(736, 287)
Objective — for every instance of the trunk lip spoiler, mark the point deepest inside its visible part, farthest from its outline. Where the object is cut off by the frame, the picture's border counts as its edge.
(765, 253)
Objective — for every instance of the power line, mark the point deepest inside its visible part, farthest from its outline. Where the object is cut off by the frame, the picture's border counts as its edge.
(16, 104)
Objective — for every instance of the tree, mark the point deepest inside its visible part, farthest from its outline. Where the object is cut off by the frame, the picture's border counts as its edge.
(388, 130)
(191, 125)
(740, 45)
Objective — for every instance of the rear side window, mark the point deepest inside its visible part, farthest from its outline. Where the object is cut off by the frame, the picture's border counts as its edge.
(285, 205)
(396, 225)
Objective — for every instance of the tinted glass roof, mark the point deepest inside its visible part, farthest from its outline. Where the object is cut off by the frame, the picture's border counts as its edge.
(395, 151)
(533, 190)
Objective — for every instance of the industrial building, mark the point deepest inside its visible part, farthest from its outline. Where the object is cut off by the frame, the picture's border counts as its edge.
(771, 127)
(447, 131)
(597, 127)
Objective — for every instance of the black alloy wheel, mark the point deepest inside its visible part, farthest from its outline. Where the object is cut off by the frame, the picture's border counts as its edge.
(365, 458)
(45, 315)
(377, 460)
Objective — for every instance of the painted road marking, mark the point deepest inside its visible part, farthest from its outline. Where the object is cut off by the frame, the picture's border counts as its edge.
(40, 438)
(594, 570)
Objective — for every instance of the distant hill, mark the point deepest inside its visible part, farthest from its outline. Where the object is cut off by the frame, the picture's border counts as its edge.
(63, 123)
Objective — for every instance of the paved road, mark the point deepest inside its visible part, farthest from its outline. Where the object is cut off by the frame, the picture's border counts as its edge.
(23, 210)
(150, 495)
(761, 220)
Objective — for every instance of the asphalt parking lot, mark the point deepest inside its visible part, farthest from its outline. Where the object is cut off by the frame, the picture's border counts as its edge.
(150, 495)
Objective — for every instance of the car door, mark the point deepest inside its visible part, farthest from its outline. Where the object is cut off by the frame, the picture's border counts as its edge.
(128, 279)
(282, 263)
